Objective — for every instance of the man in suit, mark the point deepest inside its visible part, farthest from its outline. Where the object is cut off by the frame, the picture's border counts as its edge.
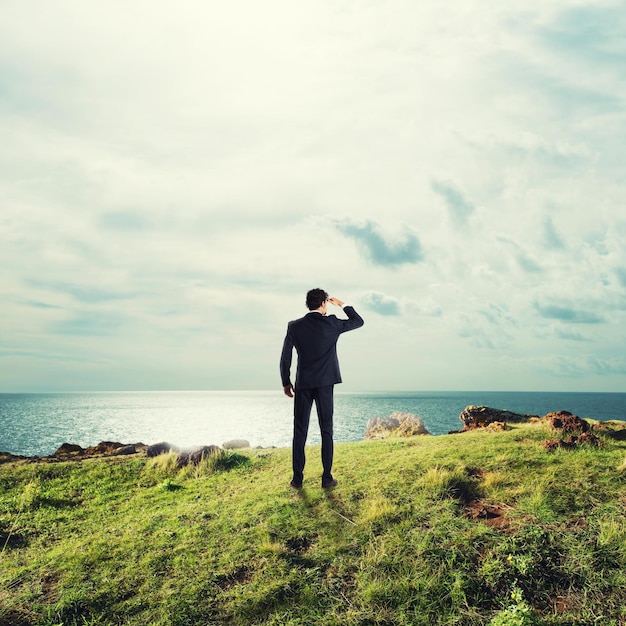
(314, 337)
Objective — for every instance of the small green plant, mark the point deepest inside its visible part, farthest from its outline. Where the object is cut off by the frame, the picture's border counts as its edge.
(227, 461)
(519, 613)
(168, 485)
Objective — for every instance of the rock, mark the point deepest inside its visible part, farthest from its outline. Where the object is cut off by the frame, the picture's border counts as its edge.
(194, 457)
(160, 448)
(482, 416)
(578, 429)
(104, 447)
(7, 457)
(67, 449)
(235, 444)
(620, 435)
(566, 422)
(589, 438)
(497, 427)
(398, 424)
(572, 441)
(125, 450)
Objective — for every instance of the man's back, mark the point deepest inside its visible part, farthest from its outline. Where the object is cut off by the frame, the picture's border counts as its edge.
(314, 337)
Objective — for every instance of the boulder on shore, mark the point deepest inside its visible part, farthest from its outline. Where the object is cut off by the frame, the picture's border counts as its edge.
(69, 449)
(195, 457)
(398, 424)
(104, 447)
(566, 422)
(484, 416)
(236, 444)
(160, 448)
(578, 431)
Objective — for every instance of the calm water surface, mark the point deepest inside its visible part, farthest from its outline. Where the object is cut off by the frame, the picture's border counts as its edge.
(37, 424)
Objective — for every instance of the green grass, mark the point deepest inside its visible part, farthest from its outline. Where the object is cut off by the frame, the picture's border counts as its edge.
(401, 541)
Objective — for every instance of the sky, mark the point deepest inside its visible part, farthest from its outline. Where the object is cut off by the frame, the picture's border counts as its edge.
(174, 177)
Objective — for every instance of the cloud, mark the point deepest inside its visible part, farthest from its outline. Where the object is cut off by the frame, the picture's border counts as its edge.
(568, 314)
(124, 221)
(523, 259)
(620, 272)
(383, 250)
(550, 234)
(89, 324)
(581, 366)
(380, 303)
(41, 305)
(570, 335)
(459, 207)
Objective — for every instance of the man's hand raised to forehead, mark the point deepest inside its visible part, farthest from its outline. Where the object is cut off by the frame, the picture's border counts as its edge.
(336, 301)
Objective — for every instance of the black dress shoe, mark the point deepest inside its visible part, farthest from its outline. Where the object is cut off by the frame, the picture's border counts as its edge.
(295, 484)
(329, 484)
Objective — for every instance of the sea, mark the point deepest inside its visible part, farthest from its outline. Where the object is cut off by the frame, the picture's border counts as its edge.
(36, 424)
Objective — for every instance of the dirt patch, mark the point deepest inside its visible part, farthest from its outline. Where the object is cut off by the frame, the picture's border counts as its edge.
(573, 441)
(17, 616)
(298, 545)
(239, 576)
(491, 514)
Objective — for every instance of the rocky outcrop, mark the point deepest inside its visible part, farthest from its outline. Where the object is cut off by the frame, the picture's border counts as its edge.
(69, 449)
(236, 444)
(7, 457)
(104, 447)
(615, 429)
(160, 448)
(75, 452)
(483, 416)
(571, 442)
(566, 422)
(196, 456)
(126, 450)
(573, 431)
(398, 424)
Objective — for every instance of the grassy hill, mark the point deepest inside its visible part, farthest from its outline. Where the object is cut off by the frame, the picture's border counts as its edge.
(477, 528)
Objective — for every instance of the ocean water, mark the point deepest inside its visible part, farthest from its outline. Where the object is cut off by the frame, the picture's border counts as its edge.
(37, 424)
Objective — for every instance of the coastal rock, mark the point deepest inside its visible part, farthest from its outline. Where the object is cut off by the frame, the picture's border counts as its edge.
(615, 429)
(577, 429)
(160, 448)
(194, 457)
(125, 450)
(7, 457)
(572, 441)
(398, 424)
(566, 422)
(236, 444)
(482, 416)
(104, 447)
(69, 449)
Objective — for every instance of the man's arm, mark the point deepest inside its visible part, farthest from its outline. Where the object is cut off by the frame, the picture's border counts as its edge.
(354, 319)
(285, 364)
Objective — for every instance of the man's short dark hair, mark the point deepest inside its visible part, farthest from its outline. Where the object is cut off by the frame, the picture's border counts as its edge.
(315, 298)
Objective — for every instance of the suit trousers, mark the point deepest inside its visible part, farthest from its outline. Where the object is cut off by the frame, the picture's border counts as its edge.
(303, 402)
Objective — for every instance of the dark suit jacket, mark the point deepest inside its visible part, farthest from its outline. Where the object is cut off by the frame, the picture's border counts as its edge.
(314, 337)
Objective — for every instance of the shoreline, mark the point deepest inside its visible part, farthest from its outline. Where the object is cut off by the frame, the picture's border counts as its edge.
(111, 449)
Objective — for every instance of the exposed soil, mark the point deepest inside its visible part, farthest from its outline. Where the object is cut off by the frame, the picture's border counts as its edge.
(491, 514)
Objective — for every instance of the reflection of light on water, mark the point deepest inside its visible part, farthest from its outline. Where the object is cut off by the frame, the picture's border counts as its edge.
(37, 424)
(202, 418)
